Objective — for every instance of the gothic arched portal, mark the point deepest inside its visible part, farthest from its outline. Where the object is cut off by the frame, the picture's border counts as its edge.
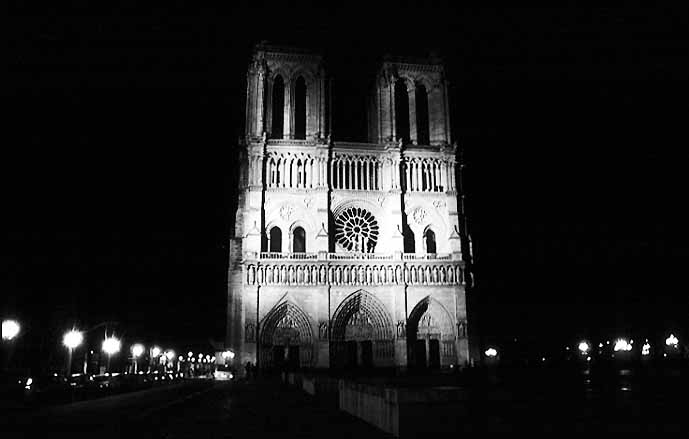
(361, 333)
(286, 338)
(430, 335)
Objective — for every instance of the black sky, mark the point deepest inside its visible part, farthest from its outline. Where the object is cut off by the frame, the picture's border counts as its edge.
(120, 156)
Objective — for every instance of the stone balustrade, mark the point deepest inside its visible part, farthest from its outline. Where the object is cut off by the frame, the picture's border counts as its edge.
(339, 269)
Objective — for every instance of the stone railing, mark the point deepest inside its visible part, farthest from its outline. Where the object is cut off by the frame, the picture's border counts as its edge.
(326, 256)
(353, 272)
(290, 256)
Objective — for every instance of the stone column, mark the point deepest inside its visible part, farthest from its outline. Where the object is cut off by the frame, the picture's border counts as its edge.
(356, 174)
(283, 174)
(332, 173)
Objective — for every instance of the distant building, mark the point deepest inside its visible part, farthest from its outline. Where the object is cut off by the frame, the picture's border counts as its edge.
(347, 254)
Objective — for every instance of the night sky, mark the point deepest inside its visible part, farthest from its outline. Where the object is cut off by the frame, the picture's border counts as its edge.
(120, 150)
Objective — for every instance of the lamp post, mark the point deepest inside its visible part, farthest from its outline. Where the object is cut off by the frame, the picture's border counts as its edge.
(10, 331)
(71, 340)
(170, 355)
(111, 346)
(137, 350)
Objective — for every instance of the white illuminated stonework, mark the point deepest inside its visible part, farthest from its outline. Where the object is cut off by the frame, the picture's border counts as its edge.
(346, 254)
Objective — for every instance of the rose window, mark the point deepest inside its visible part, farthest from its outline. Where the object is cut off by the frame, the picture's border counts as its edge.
(356, 230)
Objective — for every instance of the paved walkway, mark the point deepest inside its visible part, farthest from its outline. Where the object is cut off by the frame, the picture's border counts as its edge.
(254, 409)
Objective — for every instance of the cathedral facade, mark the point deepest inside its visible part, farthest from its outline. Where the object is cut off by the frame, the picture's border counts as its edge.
(347, 255)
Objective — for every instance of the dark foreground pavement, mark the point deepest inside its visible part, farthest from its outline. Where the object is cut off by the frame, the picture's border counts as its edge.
(193, 409)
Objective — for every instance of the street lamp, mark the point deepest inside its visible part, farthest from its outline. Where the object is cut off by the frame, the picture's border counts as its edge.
(671, 341)
(583, 347)
(646, 349)
(71, 340)
(170, 355)
(622, 345)
(137, 350)
(10, 329)
(111, 346)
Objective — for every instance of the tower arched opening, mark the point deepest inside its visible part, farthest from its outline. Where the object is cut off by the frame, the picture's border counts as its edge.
(401, 110)
(422, 124)
(278, 110)
(300, 109)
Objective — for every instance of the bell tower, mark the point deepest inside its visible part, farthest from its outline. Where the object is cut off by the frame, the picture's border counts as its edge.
(410, 103)
(286, 94)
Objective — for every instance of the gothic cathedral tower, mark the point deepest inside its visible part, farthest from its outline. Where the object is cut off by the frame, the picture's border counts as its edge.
(346, 255)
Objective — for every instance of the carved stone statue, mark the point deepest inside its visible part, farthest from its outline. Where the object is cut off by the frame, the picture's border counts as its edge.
(400, 329)
(323, 331)
(249, 333)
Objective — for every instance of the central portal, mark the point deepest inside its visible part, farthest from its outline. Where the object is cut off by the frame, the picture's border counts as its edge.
(362, 335)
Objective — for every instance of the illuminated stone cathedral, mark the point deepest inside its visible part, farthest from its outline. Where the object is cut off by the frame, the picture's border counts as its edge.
(347, 255)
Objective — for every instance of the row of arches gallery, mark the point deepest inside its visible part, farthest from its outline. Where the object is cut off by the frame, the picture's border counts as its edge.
(360, 334)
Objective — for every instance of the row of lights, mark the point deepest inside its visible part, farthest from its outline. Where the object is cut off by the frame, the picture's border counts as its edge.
(111, 345)
(620, 345)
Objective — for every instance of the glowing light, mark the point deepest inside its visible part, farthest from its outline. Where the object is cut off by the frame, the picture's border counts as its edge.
(181, 358)
(155, 351)
(600, 345)
(588, 358)
(646, 349)
(622, 345)
(190, 353)
(137, 350)
(228, 354)
(671, 341)
(491, 352)
(170, 355)
(72, 339)
(583, 347)
(111, 345)
(10, 329)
